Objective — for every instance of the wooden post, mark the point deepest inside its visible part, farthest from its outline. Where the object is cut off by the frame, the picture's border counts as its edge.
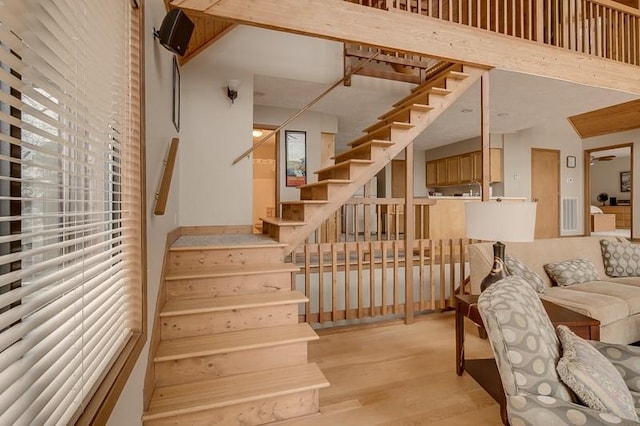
(409, 234)
(484, 132)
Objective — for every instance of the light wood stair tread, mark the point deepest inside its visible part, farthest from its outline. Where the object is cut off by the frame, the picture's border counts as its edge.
(282, 222)
(345, 163)
(457, 75)
(226, 303)
(224, 391)
(414, 106)
(326, 182)
(392, 125)
(197, 346)
(363, 147)
(305, 201)
(229, 270)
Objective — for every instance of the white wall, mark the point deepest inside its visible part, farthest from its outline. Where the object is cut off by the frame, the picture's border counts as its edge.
(557, 135)
(631, 136)
(605, 177)
(159, 131)
(313, 123)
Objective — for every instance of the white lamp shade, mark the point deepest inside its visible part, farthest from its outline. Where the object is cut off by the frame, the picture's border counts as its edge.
(500, 221)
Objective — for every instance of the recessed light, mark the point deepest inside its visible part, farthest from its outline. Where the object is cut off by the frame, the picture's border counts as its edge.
(258, 94)
(502, 114)
(466, 110)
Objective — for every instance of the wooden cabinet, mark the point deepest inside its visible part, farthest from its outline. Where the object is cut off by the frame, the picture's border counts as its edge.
(441, 172)
(466, 168)
(453, 170)
(463, 169)
(432, 176)
(623, 215)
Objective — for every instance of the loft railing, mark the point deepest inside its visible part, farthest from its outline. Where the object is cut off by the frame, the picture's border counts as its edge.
(596, 27)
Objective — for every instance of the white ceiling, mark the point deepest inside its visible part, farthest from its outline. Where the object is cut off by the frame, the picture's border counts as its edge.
(517, 102)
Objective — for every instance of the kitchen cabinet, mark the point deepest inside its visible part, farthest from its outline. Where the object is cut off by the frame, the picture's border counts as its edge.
(463, 169)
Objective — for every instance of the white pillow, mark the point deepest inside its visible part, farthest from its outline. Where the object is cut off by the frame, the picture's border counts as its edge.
(596, 210)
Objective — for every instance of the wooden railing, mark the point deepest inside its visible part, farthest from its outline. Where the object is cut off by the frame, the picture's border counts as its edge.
(353, 267)
(357, 280)
(371, 219)
(596, 27)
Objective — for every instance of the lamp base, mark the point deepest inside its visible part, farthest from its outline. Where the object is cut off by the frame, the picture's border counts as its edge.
(498, 270)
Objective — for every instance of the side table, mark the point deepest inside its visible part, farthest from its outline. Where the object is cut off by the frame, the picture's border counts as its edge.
(485, 371)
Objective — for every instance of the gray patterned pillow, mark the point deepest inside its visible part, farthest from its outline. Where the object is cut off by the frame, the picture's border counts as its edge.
(592, 377)
(570, 272)
(516, 267)
(620, 259)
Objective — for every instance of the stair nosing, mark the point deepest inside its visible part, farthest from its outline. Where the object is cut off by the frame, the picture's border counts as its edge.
(227, 270)
(282, 222)
(228, 247)
(313, 379)
(304, 202)
(228, 303)
(344, 163)
(326, 182)
(300, 332)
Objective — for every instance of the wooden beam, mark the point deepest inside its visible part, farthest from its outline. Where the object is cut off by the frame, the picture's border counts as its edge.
(345, 21)
(409, 232)
(612, 119)
(484, 136)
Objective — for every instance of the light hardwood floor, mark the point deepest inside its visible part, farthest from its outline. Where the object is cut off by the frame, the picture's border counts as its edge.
(400, 375)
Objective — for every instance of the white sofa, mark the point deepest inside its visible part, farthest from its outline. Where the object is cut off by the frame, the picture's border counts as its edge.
(615, 302)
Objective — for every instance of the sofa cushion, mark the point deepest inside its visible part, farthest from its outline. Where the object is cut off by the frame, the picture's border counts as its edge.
(630, 295)
(604, 308)
(572, 271)
(621, 259)
(516, 267)
(592, 377)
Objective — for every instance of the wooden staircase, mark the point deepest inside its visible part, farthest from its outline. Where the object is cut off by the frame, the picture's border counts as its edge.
(227, 347)
(231, 350)
(381, 142)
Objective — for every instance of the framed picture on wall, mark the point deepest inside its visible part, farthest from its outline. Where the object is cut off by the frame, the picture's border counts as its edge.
(625, 181)
(296, 157)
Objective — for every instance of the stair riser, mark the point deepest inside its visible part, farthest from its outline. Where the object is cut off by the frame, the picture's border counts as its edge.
(298, 211)
(227, 364)
(177, 326)
(228, 285)
(346, 173)
(278, 233)
(249, 413)
(194, 259)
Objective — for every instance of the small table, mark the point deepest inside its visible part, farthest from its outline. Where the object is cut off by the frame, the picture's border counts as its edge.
(485, 371)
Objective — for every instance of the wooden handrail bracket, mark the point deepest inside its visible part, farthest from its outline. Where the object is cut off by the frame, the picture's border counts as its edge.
(165, 184)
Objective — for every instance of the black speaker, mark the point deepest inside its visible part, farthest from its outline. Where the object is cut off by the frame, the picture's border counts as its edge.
(175, 31)
(613, 201)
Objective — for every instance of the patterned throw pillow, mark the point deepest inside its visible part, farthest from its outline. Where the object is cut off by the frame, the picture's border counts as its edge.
(592, 376)
(620, 259)
(570, 272)
(516, 267)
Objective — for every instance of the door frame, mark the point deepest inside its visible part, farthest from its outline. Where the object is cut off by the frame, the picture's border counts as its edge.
(277, 148)
(559, 188)
(587, 183)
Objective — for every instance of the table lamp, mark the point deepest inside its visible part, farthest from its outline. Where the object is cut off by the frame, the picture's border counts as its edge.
(499, 221)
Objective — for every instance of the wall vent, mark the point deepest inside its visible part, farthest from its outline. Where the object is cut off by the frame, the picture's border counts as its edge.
(570, 214)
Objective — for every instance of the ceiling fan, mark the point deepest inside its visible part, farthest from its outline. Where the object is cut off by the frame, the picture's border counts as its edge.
(603, 158)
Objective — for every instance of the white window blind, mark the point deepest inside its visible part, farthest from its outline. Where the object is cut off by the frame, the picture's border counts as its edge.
(70, 208)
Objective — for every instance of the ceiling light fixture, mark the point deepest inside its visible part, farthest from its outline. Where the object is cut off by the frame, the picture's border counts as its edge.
(257, 133)
(466, 110)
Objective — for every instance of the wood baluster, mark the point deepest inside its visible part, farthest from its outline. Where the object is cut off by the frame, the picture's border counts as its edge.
(334, 282)
(396, 267)
(441, 265)
(432, 282)
(421, 273)
(347, 281)
(452, 273)
(307, 281)
(463, 260)
(320, 284)
(383, 247)
(359, 249)
(372, 279)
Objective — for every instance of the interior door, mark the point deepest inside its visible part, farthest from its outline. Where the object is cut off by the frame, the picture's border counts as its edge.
(265, 182)
(545, 189)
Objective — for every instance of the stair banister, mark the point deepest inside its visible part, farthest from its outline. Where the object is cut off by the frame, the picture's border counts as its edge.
(304, 109)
